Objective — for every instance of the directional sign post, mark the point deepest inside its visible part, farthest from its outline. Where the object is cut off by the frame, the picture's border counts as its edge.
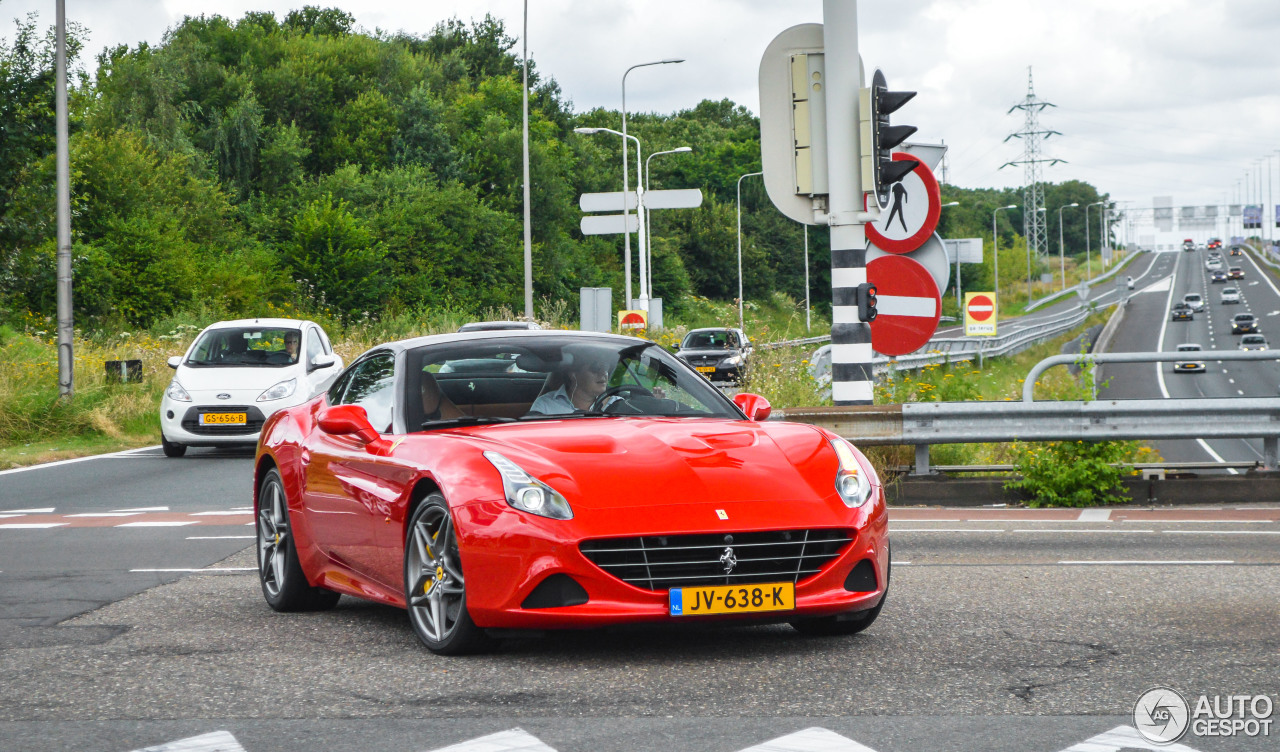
(909, 305)
(914, 207)
(979, 314)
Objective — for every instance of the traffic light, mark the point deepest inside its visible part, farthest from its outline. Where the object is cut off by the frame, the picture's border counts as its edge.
(879, 170)
(867, 302)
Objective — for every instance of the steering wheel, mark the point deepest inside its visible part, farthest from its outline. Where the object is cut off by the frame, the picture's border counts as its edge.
(622, 391)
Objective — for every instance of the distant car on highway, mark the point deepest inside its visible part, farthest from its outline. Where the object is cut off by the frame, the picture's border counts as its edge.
(1217, 275)
(1243, 323)
(1235, 272)
(1181, 312)
(1213, 263)
(1230, 295)
(1195, 300)
(1237, 250)
(236, 375)
(1215, 243)
(1253, 342)
(494, 326)
(1128, 282)
(719, 354)
(1188, 245)
(1188, 366)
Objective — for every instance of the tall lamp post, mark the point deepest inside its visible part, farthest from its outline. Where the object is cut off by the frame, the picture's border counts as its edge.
(648, 229)
(66, 322)
(1062, 259)
(528, 232)
(944, 206)
(626, 180)
(626, 214)
(995, 252)
(1088, 262)
(740, 316)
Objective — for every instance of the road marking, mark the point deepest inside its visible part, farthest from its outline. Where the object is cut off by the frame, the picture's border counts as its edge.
(41, 510)
(144, 509)
(104, 514)
(221, 537)
(947, 530)
(29, 525)
(515, 740)
(1069, 530)
(1239, 392)
(10, 516)
(1124, 737)
(1222, 532)
(155, 524)
(59, 463)
(810, 740)
(216, 741)
(1231, 381)
(205, 569)
(215, 514)
(1094, 515)
(1146, 562)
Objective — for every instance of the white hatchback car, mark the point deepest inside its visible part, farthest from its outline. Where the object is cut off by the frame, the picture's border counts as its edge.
(236, 374)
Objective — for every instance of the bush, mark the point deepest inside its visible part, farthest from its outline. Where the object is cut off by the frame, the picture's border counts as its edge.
(1072, 473)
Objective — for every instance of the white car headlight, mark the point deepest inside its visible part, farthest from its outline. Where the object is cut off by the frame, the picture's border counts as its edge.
(527, 493)
(176, 393)
(279, 391)
(732, 360)
(852, 482)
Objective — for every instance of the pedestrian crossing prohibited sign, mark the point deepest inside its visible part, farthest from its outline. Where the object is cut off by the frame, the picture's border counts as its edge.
(979, 314)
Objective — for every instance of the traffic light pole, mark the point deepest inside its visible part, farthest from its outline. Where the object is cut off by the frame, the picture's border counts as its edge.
(851, 376)
(66, 331)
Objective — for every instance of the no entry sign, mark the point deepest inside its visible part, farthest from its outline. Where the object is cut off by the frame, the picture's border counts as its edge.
(915, 204)
(979, 314)
(908, 304)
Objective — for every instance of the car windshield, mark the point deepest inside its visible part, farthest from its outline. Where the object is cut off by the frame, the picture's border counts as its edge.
(1253, 339)
(499, 379)
(1191, 297)
(246, 346)
(719, 339)
(1229, 291)
(1244, 317)
(1188, 348)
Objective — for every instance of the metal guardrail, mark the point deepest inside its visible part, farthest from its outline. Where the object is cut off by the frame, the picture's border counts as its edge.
(1091, 359)
(925, 423)
(1082, 287)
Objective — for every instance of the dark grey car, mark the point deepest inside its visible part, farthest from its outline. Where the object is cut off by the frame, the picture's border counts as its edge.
(719, 354)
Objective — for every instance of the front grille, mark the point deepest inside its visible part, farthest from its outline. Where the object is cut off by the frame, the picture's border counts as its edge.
(253, 417)
(660, 562)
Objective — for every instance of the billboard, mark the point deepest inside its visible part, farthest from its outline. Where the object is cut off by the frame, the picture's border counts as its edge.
(1253, 217)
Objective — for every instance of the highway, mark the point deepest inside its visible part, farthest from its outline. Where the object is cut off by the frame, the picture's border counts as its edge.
(1146, 328)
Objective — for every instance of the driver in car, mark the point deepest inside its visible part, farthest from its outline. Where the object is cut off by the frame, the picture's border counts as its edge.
(586, 376)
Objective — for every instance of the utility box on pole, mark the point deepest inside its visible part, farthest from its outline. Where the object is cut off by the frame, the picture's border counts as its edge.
(596, 309)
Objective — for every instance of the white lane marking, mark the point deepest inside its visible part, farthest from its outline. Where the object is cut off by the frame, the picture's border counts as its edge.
(1222, 532)
(59, 463)
(1216, 457)
(10, 516)
(1147, 562)
(1206, 522)
(810, 740)
(214, 514)
(1094, 515)
(1124, 737)
(935, 519)
(1239, 392)
(1069, 530)
(1232, 381)
(1161, 286)
(41, 510)
(515, 740)
(221, 537)
(155, 524)
(206, 569)
(901, 305)
(144, 509)
(947, 529)
(216, 741)
(104, 514)
(29, 525)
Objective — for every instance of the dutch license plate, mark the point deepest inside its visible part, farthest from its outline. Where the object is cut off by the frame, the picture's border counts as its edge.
(223, 419)
(733, 599)
(706, 369)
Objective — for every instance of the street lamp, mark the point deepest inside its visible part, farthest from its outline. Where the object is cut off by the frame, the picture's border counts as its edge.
(944, 206)
(626, 232)
(1062, 263)
(1088, 264)
(528, 231)
(648, 229)
(1038, 210)
(626, 179)
(740, 317)
(995, 256)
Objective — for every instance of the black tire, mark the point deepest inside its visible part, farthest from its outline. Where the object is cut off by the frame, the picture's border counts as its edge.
(435, 590)
(171, 449)
(283, 583)
(844, 624)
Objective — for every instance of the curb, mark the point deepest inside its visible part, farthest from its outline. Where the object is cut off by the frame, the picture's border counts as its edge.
(982, 492)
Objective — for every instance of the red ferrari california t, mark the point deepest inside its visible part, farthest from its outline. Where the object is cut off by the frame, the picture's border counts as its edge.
(543, 480)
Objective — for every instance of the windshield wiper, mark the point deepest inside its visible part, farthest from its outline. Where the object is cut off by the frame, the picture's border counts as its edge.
(470, 420)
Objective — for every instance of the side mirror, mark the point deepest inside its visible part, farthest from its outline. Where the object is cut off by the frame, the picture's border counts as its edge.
(347, 420)
(756, 407)
(321, 361)
(175, 361)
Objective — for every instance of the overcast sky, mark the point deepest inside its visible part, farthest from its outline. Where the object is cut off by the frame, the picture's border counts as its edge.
(1154, 97)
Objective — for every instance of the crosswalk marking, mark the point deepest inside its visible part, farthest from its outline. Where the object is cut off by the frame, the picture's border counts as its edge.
(1124, 738)
(217, 741)
(814, 739)
(515, 740)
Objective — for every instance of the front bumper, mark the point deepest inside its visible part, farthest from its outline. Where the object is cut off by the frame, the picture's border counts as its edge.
(180, 421)
(507, 555)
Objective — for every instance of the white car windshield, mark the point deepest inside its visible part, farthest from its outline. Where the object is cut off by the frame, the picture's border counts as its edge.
(241, 346)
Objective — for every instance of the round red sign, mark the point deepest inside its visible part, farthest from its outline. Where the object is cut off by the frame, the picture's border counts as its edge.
(981, 308)
(908, 305)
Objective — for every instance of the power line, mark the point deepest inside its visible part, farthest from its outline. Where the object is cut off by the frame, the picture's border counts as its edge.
(1035, 226)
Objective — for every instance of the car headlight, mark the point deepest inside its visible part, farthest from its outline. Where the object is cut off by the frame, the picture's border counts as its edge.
(732, 360)
(852, 482)
(279, 391)
(176, 393)
(527, 493)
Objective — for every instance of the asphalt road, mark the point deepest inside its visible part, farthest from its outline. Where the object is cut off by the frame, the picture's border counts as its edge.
(1147, 328)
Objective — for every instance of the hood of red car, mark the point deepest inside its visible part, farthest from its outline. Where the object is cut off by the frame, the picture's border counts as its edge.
(614, 463)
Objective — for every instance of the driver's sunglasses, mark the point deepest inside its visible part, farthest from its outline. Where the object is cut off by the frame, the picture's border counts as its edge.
(597, 367)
